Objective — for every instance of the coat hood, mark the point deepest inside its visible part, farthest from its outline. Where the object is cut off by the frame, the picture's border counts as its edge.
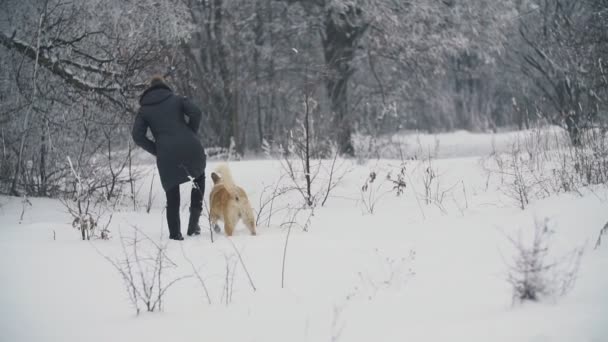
(156, 93)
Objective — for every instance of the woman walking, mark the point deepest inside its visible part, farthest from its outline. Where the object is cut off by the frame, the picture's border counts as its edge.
(173, 121)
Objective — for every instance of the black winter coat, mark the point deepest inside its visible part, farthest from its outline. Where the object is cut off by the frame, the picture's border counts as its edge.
(179, 153)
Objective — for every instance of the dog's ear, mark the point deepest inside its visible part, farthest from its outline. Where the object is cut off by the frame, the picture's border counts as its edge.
(215, 178)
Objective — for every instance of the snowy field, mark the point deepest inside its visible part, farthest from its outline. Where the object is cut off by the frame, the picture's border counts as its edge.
(409, 271)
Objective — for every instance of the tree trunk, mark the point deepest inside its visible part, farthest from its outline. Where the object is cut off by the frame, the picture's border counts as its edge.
(337, 89)
(15, 182)
(230, 96)
(259, 43)
(42, 189)
(269, 124)
(341, 36)
(209, 56)
(573, 122)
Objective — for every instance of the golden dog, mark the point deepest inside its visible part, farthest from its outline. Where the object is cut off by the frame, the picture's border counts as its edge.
(229, 202)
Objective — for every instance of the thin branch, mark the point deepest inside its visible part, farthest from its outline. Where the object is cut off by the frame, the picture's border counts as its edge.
(243, 264)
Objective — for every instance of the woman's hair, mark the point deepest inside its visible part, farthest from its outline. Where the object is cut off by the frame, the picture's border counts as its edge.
(157, 79)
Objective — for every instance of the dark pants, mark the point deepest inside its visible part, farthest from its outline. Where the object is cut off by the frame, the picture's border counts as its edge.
(173, 202)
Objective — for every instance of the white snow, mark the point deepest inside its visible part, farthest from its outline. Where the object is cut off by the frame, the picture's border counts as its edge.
(409, 272)
(455, 144)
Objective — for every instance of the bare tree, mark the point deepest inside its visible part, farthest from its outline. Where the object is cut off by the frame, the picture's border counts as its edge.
(559, 60)
(75, 79)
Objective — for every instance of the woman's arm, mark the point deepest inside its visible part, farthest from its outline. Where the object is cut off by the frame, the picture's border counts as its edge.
(140, 127)
(194, 114)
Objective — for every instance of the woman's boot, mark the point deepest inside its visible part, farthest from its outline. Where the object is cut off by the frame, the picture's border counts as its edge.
(193, 227)
(174, 224)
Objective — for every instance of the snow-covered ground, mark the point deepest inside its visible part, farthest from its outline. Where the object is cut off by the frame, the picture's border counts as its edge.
(408, 272)
(453, 144)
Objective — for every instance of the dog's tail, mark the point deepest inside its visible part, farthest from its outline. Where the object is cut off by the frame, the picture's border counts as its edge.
(224, 172)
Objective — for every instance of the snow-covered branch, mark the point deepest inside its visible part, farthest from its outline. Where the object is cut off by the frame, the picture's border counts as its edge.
(58, 68)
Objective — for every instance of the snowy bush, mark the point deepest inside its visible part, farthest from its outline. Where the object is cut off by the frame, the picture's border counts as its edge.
(143, 267)
(574, 167)
(542, 163)
(535, 273)
(374, 189)
(434, 193)
(313, 179)
(151, 195)
(272, 201)
(386, 273)
(370, 192)
(517, 177)
(86, 208)
(591, 159)
(376, 147)
(222, 153)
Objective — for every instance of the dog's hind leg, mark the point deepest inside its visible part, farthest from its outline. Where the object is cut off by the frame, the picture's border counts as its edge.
(213, 221)
(249, 221)
(229, 223)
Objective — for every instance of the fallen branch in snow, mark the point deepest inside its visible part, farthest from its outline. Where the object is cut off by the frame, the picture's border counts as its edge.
(197, 274)
(337, 324)
(228, 289)
(206, 213)
(242, 264)
(387, 273)
(150, 196)
(602, 232)
(285, 255)
(24, 203)
(464, 191)
(290, 225)
(416, 196)
(331, 184)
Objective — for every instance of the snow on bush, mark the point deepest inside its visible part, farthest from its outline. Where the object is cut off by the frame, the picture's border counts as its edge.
(386, 273)
(535, 273)
(143, 267)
